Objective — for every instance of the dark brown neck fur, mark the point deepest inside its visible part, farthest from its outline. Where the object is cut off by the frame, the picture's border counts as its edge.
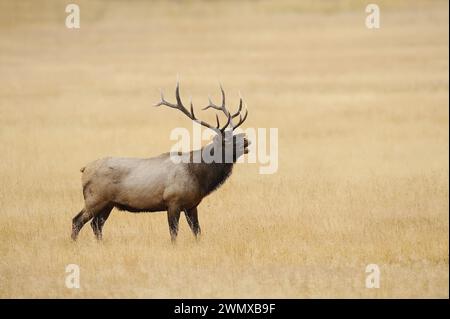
(210, 175)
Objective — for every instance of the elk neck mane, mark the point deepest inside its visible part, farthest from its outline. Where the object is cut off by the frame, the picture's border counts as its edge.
(210, 176)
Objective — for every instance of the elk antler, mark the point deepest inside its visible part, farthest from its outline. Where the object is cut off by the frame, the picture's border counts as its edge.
(226, 112)
(179, 105)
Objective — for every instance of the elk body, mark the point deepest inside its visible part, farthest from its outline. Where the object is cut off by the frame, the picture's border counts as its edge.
(160, 183)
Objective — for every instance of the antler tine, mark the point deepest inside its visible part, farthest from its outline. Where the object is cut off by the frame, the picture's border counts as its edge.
(177, 94)
(204, 123)
(217, 120)
(241, 120)
(223, 96)
(183, 109)
(164, 102)
(212, 105)
(239, 109)
(238, 113)
(222, 108)
(192, 109)
(180, 105)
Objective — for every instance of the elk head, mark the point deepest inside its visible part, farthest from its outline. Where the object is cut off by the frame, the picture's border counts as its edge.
(226, 146)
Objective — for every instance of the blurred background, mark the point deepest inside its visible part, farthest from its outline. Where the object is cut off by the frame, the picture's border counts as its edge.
(363, 146)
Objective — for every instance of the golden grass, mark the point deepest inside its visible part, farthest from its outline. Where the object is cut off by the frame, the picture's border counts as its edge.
(363, 147)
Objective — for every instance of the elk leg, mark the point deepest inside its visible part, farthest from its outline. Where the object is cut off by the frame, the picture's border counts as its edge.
(192, 219)
(78, 222)
(173, 216)
(99, 220)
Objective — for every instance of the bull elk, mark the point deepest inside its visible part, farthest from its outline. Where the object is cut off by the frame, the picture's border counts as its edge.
(160, 183)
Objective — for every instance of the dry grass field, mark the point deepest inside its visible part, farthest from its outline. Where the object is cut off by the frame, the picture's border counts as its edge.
(363, 125)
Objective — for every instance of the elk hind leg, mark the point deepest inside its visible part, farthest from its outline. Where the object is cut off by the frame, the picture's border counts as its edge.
(99, 220)
(79, 220)
(192, 219)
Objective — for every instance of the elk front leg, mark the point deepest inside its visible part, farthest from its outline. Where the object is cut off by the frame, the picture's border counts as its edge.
(192, 219)
(99, 220)
(173, 216)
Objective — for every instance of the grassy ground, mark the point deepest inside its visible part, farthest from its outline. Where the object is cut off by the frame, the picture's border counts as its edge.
(363, 147)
